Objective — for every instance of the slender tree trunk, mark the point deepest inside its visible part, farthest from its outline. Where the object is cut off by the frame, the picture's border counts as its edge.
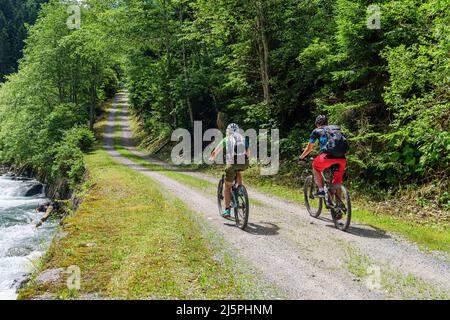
(188, 101)
(92, 106)
(76, 81)
(263, 45)
(166, 45)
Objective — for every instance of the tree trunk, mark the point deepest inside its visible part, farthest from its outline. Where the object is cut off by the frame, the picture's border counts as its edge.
(166, 45)
(263, 46)
(188, 101)
(92, 106)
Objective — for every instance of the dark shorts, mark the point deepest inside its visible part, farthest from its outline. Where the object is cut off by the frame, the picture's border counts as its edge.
(232, 169)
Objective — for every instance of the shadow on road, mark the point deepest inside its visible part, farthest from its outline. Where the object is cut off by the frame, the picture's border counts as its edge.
(360, 230)
(261, 228)
(364, 231)
(368, 232)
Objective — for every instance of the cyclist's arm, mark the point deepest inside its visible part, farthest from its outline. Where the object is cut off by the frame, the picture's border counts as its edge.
(217, 150)
(307, 150)
(247, 147)
(312, 139)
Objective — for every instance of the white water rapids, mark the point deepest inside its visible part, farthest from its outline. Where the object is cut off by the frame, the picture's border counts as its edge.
(21, 243)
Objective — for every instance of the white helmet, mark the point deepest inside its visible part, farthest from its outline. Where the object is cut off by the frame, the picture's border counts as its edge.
(232, 128)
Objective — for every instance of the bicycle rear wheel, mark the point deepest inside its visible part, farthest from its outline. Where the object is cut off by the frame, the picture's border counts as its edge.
(313, 205)
(220, 197)
(342, 214)
(242, 210)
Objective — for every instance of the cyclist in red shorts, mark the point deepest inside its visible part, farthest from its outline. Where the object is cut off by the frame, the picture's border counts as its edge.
(326, 158)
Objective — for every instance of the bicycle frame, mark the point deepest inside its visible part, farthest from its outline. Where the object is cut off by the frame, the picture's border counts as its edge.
(233, 196)
(327, 184)
(233, 193)
(235, 203)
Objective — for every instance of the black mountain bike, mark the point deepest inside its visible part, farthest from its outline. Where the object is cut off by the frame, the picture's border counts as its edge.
(239, 203)
(337, 202)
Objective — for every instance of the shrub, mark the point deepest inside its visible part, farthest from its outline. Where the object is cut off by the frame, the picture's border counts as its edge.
(68, 155)
(68, 163)
(80, 137)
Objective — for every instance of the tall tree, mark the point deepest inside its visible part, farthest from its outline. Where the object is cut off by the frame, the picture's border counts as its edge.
(14, 16)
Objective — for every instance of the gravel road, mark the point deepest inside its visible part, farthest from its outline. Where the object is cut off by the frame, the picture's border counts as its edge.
(304, 258)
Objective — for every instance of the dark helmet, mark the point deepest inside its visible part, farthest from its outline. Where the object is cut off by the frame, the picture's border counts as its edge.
(321, 120)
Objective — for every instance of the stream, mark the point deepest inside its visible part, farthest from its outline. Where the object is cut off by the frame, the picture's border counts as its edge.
(21, 243)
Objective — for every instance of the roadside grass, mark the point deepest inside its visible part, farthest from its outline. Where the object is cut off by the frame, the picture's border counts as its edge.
(132, 241)
(382, 278)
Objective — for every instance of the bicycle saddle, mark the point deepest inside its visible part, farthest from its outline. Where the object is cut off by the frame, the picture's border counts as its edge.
(334, 167)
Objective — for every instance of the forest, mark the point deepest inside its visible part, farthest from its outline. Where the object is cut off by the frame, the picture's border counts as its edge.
(379, 69)
(15, 15)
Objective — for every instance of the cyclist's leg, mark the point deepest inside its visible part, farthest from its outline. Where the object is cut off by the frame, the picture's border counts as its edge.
(239, 180)
(230, 174)
(318, 178)
(338, 177)
(318, 167)
(239, 169)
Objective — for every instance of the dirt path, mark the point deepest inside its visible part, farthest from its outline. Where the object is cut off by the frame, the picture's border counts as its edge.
(305, 258)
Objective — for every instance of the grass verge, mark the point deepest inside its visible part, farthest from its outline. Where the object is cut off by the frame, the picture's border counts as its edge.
(394, 284)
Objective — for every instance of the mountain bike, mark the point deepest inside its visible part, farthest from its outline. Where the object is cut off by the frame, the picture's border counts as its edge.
(339, 206)
(239, 202)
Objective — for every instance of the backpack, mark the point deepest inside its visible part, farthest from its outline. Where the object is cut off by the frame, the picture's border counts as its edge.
(237, 148)
(337, 144)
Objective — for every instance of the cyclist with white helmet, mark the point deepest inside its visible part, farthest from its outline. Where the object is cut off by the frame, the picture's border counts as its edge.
(237, 153)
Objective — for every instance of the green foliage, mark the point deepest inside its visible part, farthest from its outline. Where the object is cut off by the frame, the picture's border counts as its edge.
(81, 138)
(14, 17)
(279, 63)
(263, 64)
(68, 162)
(45, 108)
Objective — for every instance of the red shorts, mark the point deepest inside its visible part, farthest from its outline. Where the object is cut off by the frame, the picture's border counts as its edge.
(321, 163)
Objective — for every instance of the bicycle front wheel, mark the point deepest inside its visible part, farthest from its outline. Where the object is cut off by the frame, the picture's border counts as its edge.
(313, 205)
(241, 211)
(342, 214)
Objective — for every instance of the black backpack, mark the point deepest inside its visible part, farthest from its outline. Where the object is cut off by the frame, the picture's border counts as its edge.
(337, 144)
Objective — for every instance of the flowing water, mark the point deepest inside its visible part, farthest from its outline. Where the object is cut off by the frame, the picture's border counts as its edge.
(21, 243)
